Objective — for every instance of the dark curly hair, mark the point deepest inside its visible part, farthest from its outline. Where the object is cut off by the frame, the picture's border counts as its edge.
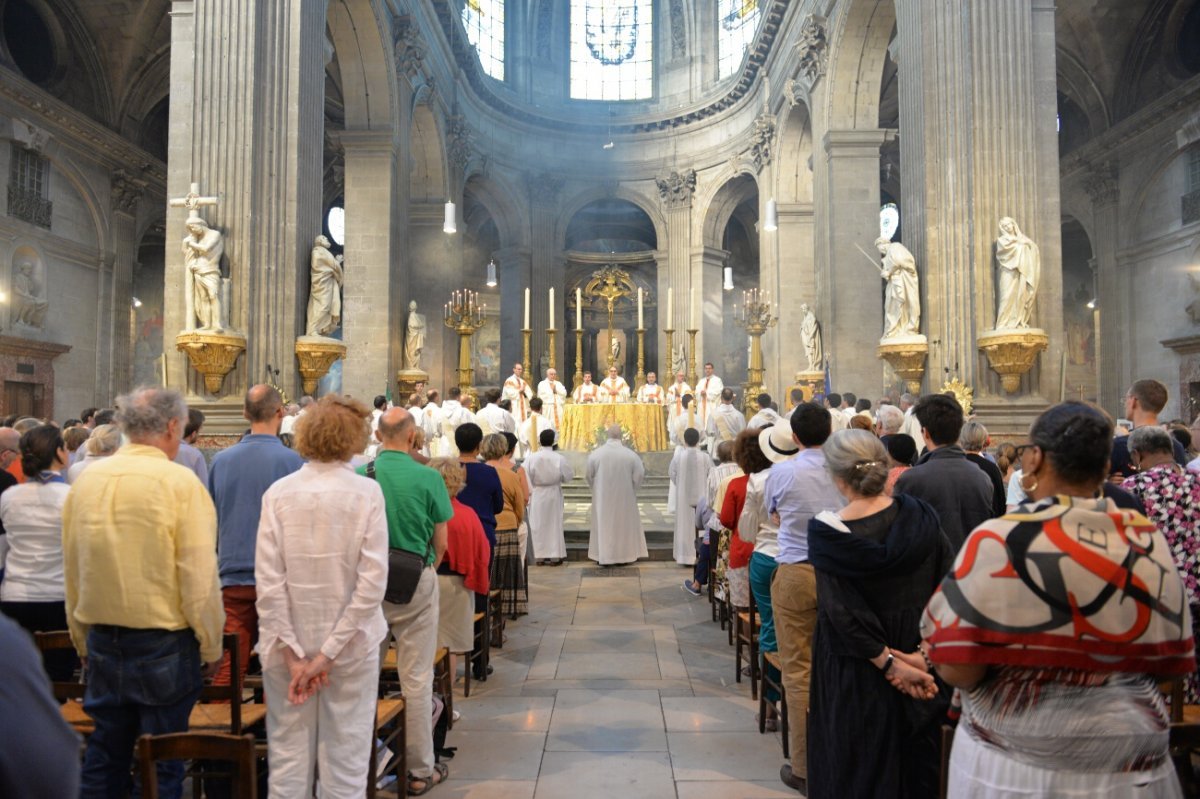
(1077, 439)
(747, 454)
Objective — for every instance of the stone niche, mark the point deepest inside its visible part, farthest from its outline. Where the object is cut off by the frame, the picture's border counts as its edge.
(1188, 350)
(27, 376)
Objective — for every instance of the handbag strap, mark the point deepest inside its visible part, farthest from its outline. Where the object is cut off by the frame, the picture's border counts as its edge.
(370, 470)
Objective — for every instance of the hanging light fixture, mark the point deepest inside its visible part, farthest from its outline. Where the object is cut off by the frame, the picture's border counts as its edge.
(728, 286)
(772, 220)
(450, 224)
(491, 274)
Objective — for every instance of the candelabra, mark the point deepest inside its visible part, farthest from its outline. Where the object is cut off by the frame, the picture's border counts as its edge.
(640, 378)
(755, 318)
(552, 361)
(692, 377)
(527, 335)
(669, 371)
(578, 379)
(464, 315)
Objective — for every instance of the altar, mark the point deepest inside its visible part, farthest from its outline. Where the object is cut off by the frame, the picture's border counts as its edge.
(582, 425)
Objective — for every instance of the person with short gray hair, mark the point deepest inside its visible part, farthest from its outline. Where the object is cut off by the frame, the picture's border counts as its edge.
(104, 441)
(146, 414)
(614, 474)
(974, 438)
(1150, 440)
(888, 420)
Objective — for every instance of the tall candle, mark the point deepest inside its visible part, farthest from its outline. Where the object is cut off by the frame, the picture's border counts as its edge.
(551, 306)
(641, 324)
(526, 307)
(670, 321)
(578, 310)
(692, 308)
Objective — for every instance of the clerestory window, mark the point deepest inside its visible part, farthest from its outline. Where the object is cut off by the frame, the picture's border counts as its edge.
(612, 49)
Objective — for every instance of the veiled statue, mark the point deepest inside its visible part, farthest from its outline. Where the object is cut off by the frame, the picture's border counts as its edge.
(902, 296)
(414, 337)
(1020, 266)
(325, 293)
(202, 251)
(810, 337)
(31, 302)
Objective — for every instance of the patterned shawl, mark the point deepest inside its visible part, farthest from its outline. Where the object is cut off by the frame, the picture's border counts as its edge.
(1065, 583)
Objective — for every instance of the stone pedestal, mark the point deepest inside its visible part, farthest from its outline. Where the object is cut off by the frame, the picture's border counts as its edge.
(810, 383)
(906, 355)
(315, 354)
(406, 383)
(1012, 353)
(211, 354)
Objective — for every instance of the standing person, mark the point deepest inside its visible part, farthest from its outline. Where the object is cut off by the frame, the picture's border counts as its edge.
(766, 415)
(105, 440)
(708, 393)
(508, 569)
(530, 432)
(877, 561)
(794, 491)
(494, 419)
(463, 573)
(188, 455)
(689, 472)
(418, 508)
(548, 472)
(724, 421)
(1144, 401)
(674, 399)
(902, 453)
(518, 392)
(239, 477)
(750, 459)
(910, 426)
(1080, 713)
(651, 393)
(452, 416)
(320, 568)
(381, 404)
(974, 440)
(615, 474)
(708, 544)
(614, 388)
(10, 450)
(553, 395)
(833, 404)
(483, 494)
(587, 391)
(957, 489)
(129, 510)
(31, 593)
(292, 419)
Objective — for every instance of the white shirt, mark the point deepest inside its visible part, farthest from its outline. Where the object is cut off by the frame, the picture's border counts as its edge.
(494, 419)
(755, 526)
(586, 392)
(321, 565)
(33, 564)
(81, 464)
(764, 418)
(289, 422)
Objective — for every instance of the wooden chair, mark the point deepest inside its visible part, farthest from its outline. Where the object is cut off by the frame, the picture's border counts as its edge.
(443, 682)
(482, 653)
(237, 750)
(772, 658)
(390, 734)
(69, 694)
(1184, 742)
(496, 618)
(745, 633)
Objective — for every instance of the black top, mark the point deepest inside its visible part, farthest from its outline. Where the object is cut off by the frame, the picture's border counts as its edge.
(7, 481)
(999, 493)
(1120, 456)
(956, 488)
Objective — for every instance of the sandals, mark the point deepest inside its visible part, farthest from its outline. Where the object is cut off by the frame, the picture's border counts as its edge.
(440, 772)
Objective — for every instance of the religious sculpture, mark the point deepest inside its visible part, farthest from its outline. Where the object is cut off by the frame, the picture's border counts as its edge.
(325, 293)
(202, 251)
(810, 336)
(614, 347)
(902, 297)
(679, 359)
(414, 337)
(31, 304)
(1020, 266)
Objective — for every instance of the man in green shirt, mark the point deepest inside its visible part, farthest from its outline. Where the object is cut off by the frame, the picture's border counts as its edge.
(418, 508)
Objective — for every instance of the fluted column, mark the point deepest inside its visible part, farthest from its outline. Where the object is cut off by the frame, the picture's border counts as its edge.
(676, 190)
(126, 191)
(1112, 292)
(797, 285)
(247, 122)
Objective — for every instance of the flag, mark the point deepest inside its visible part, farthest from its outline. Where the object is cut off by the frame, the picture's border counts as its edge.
(828, 379)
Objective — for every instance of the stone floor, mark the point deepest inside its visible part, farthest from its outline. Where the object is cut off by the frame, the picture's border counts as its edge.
(617, 684)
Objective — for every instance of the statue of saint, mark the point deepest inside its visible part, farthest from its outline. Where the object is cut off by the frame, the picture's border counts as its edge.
(414, 337)
(679, 359)
(614, 347)
(1020, 266)
(810, 336)
(325, 293)
(902, 296)
(31, 304)
(202, 251)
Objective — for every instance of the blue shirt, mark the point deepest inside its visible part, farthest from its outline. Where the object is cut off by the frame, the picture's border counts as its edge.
(237, 480)
(484, 495)
(193, 458)
(799, 489)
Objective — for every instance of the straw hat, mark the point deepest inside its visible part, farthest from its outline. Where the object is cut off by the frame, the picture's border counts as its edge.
(776, 443)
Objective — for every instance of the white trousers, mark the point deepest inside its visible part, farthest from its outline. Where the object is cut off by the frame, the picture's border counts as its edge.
(415, 627)
(333, 730)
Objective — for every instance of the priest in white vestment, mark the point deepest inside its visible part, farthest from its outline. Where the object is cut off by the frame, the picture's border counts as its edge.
(651, 393)
(494, 419)
(675, 394)
(553, 395)
(766, 415)
(517, 392)
(689, 473)
(724, 421)
(614, 388)
(708, 393)
(615, 473)
(587, 391)
(529, 431)
(450, 416)
(686, 420)
(547, 471)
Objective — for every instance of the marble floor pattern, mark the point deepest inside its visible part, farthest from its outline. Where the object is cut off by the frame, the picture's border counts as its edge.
(617, 684)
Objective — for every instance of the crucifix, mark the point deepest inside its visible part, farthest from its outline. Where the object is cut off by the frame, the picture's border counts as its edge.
(610, 291)
(192, 200)
(205, 291)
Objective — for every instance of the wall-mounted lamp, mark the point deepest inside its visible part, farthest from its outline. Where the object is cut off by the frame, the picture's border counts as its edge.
(728, 285)
(772, 218)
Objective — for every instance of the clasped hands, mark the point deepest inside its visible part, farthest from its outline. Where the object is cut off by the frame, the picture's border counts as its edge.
(908, 675)
(308, 675)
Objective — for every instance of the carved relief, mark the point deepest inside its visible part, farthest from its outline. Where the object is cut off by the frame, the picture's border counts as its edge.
(762, 140)
(812, 46)
(677, 188)
(1101, 186)
(126, 190)
(410, 53)
(678, 30)
(459, 141)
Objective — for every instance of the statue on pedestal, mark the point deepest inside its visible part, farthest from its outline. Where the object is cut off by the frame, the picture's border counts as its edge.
(902, 296)
(414, 337)
(202, 251)
(1020, 265)
(325, 293)
(31, 303)
(810, 336)
(679, 359)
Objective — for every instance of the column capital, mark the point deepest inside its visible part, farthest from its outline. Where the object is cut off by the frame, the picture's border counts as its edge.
(862, 142)
(762, 141)
(368, 141)
(126, 191)
(543, 187)
(1102, 184)
(676, 189)
(508, 255)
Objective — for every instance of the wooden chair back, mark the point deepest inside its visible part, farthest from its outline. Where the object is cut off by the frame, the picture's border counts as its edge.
(237, 750)
(57, 641)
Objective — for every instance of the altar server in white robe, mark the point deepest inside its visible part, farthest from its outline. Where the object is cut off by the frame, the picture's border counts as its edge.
(530, 430)
(708, 393)
(675, 394)
(553, 395)
(547, 471)
(587, 391)
(724, 422)
(517, 392)
(615, 473)
(449, 417)
(687, 419)
(689, 473)
(766, 415)
(494, 419)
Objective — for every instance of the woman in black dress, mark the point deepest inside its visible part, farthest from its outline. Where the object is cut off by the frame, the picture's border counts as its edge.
(874, 710)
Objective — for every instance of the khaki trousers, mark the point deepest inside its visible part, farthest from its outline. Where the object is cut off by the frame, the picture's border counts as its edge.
(415, 627)
(794, 600)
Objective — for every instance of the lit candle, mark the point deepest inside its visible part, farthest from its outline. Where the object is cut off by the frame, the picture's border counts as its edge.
(526, 307)
(578, 310)
(641, 324)
(670, 322)
(551, 306)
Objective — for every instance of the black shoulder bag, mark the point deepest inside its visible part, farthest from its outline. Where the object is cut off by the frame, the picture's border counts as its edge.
(404, 567)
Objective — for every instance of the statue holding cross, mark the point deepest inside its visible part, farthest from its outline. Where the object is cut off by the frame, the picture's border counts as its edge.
(203, 247)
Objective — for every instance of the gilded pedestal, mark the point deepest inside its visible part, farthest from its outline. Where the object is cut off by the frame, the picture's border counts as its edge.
(407, 381)
(315, 355)
(211, 354)
(906, 356)
(1012, 353)
(809, 383)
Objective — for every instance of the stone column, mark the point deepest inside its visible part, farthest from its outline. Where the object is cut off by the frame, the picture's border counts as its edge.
(1112, 292)
(513, 266)
(372, 308)
(796, 285)
(854, 321)
(676, 190)
(247, 80)
(126, 190)
(708, 266)
(545, 266)
(977, 116)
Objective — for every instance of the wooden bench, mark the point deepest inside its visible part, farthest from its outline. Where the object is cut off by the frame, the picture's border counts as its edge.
(772, 659)
(745, 633)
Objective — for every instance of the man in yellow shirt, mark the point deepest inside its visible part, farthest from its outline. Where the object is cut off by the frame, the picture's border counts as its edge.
(142, 596)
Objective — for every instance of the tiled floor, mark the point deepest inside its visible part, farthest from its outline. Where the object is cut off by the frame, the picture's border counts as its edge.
(613, 687)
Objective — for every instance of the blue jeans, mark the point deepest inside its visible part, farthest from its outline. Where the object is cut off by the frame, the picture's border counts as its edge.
(762, 570)
(700, 571)
(138, 682)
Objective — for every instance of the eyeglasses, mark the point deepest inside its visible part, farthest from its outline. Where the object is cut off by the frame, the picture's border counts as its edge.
(1023, 448)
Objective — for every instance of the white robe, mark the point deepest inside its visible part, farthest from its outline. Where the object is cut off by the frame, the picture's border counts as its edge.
(615, 473)
(449, 417)
(689, 472)
(547, 470)
(517, 391)
(614, 389)
(708, 395)
(724, 424)
(494, 419)
(675, 395)
(553, 395)
(764, 418)
(688, 418)
(530, 431)
(586, 392)
(913, 428)
(651, 394)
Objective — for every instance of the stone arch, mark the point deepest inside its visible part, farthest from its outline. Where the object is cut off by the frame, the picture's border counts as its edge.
(576, 202)
(859, 38)
(793, 165)
(1077, 83)
(500, 199)
(362, 37)
(732, 192)
(1131, 213)
(149, 86)
(428, 170)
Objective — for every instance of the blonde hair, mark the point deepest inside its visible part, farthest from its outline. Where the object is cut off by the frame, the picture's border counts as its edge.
(333, 429)
(858, 458)
(494, 447)
(105, 440)
(973, 437)
(454, 475)
(75, 437)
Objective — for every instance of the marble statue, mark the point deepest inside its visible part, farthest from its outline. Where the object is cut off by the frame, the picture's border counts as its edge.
(1020, 266)
(614, 347)
(902, 297)
(202, 251)
(679, 359)
(810, 336)
(414, 337)
(31, 304)
(325, 293)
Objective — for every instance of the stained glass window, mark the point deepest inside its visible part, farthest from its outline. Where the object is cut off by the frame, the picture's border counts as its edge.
(484, 21)
(737, 21)
(889, 220)
(612, 49)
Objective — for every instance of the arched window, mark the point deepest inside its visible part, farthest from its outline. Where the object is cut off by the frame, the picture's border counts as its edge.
(737, 21)
(612, 49)
(335, 223)
(889, 220)
(484, 21)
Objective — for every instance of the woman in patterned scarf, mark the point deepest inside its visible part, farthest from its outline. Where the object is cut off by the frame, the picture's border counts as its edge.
(1056, 623)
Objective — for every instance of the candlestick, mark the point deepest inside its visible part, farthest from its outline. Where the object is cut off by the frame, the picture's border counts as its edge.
(641, 324)
(527, 335)
(669, 332)
(640, 379)
(578, 312)
(464, 315)
(692, 377)
(578, 379)
(691, 308)
(550, 335)
(526, 306)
